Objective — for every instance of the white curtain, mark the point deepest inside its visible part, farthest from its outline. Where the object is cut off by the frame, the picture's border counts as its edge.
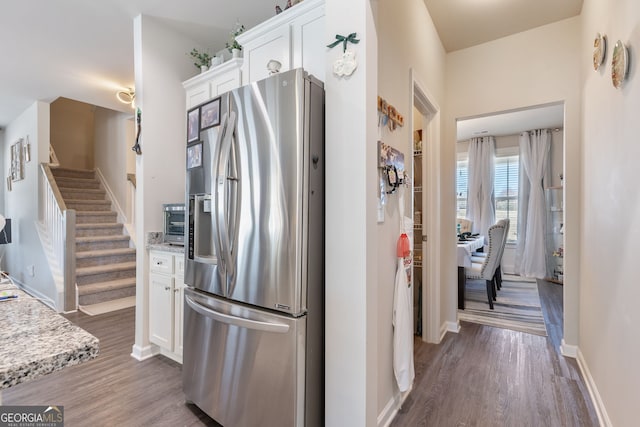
(480, 198)
(530, 260)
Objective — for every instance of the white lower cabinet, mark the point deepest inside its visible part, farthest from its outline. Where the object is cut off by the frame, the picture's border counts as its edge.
(166, 296)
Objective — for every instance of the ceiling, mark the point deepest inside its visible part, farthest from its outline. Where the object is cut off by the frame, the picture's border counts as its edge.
(465, 23)
(512, 122)
(83, 50)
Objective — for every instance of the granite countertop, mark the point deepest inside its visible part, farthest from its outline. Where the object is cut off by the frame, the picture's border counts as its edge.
(166, 247)
(155, 241)
(35, 340)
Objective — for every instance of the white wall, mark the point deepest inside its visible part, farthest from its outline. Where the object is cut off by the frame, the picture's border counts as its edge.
(160, 68)
(113, 131)
(350, 216)
(21, 204)
(407, 40)
(609, 317)
(535, 67)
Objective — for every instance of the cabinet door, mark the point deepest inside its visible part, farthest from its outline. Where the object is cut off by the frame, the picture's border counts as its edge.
(274, 44)
(178, 301)
(161, 310)
(225, 82)
(197, 95)
(308, 46)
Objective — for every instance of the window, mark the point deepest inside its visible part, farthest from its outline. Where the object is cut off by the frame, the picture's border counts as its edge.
(461, 187)
(505, 187)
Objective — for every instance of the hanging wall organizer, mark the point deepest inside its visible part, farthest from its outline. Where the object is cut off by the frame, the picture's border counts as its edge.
(388, 115)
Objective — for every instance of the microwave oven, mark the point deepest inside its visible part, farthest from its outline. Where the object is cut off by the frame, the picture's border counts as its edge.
(173, 223)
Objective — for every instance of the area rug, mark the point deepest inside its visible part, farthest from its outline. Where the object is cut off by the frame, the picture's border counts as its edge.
(517, 306)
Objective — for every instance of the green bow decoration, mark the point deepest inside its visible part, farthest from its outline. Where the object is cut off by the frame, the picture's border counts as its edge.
(351, 38)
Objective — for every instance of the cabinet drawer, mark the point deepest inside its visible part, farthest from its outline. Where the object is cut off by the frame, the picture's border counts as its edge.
(161, 263)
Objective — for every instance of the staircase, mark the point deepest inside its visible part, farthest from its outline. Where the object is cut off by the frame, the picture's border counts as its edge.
(105, 262)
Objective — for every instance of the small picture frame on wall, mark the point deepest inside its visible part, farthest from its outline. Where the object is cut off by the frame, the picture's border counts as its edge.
(17, 161)
(210, 114)
(194, 155)
(193, 125)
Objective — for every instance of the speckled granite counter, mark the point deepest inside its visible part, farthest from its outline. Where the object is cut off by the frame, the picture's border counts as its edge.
(166, 247)
(35, 340)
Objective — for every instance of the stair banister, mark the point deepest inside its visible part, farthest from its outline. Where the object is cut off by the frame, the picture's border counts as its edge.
(60, 226)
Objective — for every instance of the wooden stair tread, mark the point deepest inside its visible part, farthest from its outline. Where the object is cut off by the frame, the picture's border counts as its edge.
(86, 271)
(106, 286)
(84, 239)
(95, 213)
(90, 225)
(88, 202)
(105, 252)
(80, 189)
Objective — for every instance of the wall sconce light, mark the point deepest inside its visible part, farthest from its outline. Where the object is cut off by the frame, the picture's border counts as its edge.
(126, 97)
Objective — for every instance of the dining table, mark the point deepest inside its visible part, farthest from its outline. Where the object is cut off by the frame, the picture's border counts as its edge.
(464, 250)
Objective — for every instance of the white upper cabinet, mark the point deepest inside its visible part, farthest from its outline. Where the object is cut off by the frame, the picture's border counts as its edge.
(295, 38)
(217, 80)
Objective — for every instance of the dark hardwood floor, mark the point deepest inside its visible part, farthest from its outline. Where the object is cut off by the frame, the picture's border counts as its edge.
(482, 376)
(114, 389)
(487, 376)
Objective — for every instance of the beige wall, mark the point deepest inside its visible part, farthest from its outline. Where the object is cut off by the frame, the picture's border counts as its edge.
(72, 133)
(536, 67)
(407, 40)
(113, 131)
(609, 317)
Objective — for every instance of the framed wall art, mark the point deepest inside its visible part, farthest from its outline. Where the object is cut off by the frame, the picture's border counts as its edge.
(193, 125)
(17, 161)
(210, 114)
(194, 155)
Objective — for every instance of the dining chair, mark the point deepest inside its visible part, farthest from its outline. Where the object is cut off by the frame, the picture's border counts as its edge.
(479, 256)
(465, 225)
(487, 268)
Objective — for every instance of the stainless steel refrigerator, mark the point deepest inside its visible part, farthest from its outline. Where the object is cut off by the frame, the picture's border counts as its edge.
(254, 305)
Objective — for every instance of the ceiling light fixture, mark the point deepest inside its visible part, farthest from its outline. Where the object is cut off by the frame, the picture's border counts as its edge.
(126, 97)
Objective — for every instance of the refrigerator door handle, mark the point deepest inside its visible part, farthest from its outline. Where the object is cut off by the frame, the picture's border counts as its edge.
(237, 321)
(217, 238)
(222, 208)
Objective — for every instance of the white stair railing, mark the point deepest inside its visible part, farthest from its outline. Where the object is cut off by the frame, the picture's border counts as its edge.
(60, 226)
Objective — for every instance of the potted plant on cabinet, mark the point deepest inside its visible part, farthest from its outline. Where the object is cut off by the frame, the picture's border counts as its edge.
(232, 45)
(201, 59)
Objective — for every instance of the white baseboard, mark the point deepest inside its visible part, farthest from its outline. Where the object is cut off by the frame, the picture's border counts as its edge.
(568, 350)
(143, 353)
(449, 327)
(601, 411)
(392, 407)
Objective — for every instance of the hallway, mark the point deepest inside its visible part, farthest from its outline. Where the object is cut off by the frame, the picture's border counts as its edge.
(486, 376)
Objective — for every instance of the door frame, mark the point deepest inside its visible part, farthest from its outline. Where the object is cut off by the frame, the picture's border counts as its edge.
(431, 217)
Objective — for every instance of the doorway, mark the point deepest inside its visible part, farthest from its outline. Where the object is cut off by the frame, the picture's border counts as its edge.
(506, 128)
(425, 139)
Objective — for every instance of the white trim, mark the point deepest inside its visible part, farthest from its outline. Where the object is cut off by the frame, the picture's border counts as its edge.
(449, 327)
(424, 102)
(598, 404)
(122, 218)
(568, 350)
(143, 353)
(390, 410)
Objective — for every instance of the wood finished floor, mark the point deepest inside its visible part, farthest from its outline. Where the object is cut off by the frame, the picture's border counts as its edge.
(485, 376)
(482, 376)
(114, 389)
